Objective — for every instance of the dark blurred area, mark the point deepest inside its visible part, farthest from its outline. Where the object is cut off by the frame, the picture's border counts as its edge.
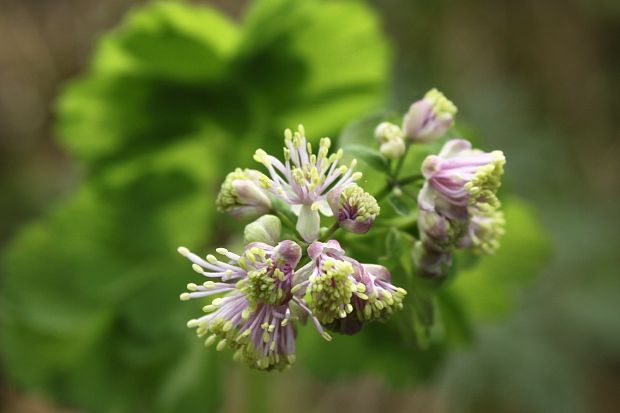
(538, 79)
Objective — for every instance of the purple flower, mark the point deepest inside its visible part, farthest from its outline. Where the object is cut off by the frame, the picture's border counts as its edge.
(354, 209)
(459, 177)
(337, 287)
(254, 313)
(381, 298)
(304, 179)
(429, 118)
(326, 282)
(458, 205)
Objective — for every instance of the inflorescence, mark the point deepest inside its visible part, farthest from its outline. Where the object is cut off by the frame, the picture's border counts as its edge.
(263, 293)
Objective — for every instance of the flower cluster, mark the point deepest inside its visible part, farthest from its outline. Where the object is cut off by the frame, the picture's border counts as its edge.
(262, 294)
(458, 204)
(338, 287)
(292, 270)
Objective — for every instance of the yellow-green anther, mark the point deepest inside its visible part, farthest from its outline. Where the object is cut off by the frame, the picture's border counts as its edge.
(221, 345)
(441, 104)
(329, 292)
(210, 340)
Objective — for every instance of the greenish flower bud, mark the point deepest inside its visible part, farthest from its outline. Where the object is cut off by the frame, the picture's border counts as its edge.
(390, 138)
(241, 194)
(265, 229)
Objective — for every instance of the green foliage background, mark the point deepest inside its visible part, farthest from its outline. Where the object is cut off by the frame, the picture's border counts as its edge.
(174, 98)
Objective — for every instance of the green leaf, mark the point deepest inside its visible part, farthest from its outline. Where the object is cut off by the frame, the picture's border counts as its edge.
(361, 132)
(370, 156)
(394, 243)
(399, 205)
(377, 350)
(103, 258)
(173, 98)
(489, 290)
(172, 41)
(339, 80)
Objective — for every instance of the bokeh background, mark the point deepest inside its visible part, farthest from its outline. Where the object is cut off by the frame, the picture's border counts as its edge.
(539, 80)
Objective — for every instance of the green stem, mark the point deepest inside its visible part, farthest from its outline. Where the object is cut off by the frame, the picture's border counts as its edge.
(384, 192)
(401, 162)
(287, 222)
(393, 180)
(285, 219)
(410, 179)
(391, 184)
(330, 232)
(257, 398)
(302, 244)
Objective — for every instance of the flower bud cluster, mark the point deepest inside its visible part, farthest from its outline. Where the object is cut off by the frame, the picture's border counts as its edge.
(391, 140)
(427, 120)
(339, 287)
(310, 184)
(458, 205)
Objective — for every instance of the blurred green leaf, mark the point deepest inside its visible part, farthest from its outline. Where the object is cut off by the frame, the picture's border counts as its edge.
(370, 156)
(490, 289)
(360, 133)
(394, 243)
(172, 41)
(377, 350)
(174, 98)
(399, 205)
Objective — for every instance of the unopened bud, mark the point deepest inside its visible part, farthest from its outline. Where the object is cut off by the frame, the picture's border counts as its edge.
(429, 118)
(355, 209)
(241, 194)
(390, 138)
(265, 229)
